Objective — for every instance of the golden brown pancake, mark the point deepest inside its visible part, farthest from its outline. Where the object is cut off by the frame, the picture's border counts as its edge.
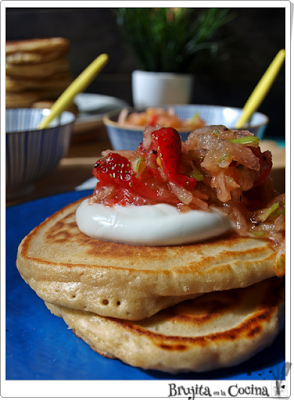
(67, 268)
(39, 70)
(36, 69)
(59, 80)
(37, 46)
(216, 330)
(30, 97)
(22, 58)
(22, 99)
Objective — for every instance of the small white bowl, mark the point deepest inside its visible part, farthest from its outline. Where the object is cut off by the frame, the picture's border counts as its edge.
(31, 153)
(123, 137)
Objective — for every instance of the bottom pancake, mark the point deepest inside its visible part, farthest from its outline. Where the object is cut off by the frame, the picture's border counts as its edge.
(216, 330)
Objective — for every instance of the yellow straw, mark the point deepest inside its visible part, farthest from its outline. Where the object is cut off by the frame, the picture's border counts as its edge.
(261, 89)
(77, 86)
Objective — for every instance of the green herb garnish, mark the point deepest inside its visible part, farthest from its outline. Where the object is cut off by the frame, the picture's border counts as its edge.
(196, 174)
(258, 233)
(216, 132)
(245, 140)
(269, 211)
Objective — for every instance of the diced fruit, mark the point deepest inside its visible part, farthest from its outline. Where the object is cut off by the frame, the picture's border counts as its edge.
(228, 166)
(265, 160)
(116, 170)
(168, 145)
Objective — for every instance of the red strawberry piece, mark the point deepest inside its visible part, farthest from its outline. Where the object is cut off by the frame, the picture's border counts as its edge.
(116, 169)
(113, 168)
(168, 144)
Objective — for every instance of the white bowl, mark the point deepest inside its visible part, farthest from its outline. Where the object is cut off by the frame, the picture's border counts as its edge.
(124, 137)
(31, 153)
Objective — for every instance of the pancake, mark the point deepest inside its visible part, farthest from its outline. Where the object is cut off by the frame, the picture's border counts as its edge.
(36, 69)
(26, 58)
(37, 46)
(22, 58)
(216, 330)
(39, 70)
(21, 99)
(59, 80)
(29, 97)
(67, 268)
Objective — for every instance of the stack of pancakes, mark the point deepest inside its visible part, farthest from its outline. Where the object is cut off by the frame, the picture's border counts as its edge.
(36, 69)
(195, 307)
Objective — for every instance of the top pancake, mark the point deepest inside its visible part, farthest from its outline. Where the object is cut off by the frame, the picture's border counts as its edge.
(37, 45)
(35, 51)
(21, 58)
(67, 268)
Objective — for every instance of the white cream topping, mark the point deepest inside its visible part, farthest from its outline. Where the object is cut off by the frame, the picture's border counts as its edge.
(155, 225)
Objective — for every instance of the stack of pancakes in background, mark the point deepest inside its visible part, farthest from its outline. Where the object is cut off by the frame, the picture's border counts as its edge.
(36, 70)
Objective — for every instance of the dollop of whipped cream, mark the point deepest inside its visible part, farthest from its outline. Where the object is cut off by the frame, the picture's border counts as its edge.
(150, 225)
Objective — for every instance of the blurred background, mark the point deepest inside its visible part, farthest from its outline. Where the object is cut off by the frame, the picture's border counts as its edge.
(249, 42)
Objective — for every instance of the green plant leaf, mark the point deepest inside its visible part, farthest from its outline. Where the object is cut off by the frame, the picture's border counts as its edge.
(170, 40)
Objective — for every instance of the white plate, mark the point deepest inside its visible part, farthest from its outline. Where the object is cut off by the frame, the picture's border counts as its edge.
(92, 108)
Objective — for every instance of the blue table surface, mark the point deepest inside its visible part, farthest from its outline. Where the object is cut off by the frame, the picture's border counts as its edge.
(40, 347)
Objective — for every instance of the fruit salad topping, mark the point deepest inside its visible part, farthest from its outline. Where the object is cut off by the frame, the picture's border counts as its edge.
(161, 116)
(214, 166)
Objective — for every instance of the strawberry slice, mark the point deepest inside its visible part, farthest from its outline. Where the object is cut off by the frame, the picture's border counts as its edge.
(168, 144)
(113, 168)
(116, 170)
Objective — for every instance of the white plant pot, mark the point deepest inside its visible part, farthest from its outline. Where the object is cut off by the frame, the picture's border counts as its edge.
(159, 88)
